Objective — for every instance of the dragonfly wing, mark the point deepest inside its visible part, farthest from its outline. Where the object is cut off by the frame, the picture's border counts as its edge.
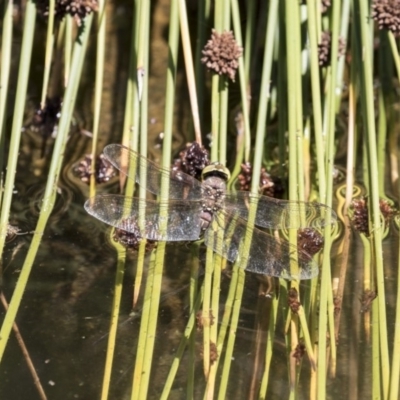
(279, 214)
(149, 175)
(265, 254)
(179, 221)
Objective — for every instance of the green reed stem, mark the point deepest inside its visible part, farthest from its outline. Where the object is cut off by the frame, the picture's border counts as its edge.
(344, 33)
(5, 60)
(265, 91)
(19, 107)
(206, 320)
(249, 37)
(294, 102)
(215, 116)
(69, 27)
(228, 306)
(377, 378)
(49, 52)
(326, 305)
(242, 81)
(381, 145)
(130, 130)
(203, 17)
(147, 334)
(316, 99)
(112, 332)
(217, 82)
(138, 384)
(223, 388)
(187, 53)
(145, 346)
(193, 295)
(98, 88)
(395, 53)
(269, 348)
(181, 348)
(56, 162)
(367, 83)
(395, 372)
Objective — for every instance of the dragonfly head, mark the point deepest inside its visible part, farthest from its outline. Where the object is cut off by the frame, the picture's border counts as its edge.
(216, 169)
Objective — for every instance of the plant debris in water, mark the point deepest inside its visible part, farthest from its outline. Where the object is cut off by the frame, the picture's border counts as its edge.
(387, 15)
(104, 171)
(192, 160)
(45, 120)
(78, 9)
(221, 54)
(12, 232)
(269, 185)
(367, 298)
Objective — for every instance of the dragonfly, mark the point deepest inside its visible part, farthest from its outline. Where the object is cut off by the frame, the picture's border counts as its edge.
(238, 225)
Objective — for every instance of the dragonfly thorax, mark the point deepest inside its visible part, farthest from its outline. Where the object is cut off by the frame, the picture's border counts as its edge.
(213, 194)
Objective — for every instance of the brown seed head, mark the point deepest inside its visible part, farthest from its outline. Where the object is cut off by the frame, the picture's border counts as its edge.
(310, 240)
(269, 185)
(359, 217)
(104, 171)
(325, 46)
(221, 54)
(192, 160)
(387, 14)
(78, 9)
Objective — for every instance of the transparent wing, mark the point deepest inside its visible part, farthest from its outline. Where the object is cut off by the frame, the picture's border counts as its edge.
(181, 220)
(266, 255)
(279, 214)
(149, 175)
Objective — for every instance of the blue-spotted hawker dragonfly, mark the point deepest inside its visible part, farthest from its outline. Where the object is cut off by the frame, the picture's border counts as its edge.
(205, 208)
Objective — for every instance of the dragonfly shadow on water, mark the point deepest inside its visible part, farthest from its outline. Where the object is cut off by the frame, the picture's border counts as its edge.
(233, 223)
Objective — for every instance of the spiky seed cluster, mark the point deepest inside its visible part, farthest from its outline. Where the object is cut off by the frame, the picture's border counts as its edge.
(129, 235)
(387, 14)
(213, 353)
(221, 54)
(388, 212)
(359, 215)
(310, 240)
(78, 9)
(325, 46)
(192, 160)
(269, 185)
(104, 171)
